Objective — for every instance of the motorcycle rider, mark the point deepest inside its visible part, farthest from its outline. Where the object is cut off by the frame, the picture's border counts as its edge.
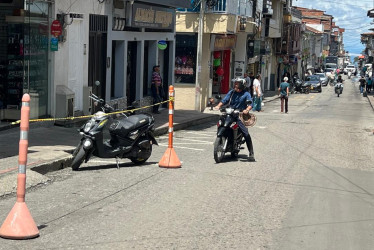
(237, 98)
(340, 81)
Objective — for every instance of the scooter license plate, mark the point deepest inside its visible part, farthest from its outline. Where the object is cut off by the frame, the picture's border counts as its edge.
(311, 87)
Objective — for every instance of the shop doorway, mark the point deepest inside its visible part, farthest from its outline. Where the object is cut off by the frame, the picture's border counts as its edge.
(97, 54)
(132, 51)
(165, 75)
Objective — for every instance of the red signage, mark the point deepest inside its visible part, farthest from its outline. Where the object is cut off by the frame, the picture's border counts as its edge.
(56, 29)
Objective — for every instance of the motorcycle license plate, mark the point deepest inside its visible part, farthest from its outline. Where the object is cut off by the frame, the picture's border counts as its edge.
(311, 87)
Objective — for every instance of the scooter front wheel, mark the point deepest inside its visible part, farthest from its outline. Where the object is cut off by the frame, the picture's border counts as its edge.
(78, 158)
(219, 152)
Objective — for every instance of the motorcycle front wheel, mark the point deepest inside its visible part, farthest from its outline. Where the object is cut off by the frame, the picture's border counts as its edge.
(219, 153)
(78, 157)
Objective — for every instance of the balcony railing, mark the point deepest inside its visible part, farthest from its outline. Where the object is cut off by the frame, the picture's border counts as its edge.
(235, 7)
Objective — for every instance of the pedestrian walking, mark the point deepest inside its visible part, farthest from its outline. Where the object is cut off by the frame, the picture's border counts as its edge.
(362, 84)
(156, 87)
(369, 85)
(284, 89)
(257, 93)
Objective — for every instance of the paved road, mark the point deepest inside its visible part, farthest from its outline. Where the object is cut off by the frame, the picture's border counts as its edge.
(310, 188)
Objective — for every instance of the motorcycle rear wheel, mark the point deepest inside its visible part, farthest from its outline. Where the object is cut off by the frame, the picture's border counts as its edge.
(78, 158)
(219, 153)
(139, 160)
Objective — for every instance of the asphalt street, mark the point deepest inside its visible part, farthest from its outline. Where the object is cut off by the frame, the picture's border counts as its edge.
(310, 188)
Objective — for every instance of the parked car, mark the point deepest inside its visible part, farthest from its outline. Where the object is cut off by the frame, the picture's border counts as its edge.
(350, 68)
(323, 78)
(314, 82)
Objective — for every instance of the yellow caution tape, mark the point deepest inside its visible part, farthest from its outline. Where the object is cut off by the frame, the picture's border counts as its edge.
(89, 116)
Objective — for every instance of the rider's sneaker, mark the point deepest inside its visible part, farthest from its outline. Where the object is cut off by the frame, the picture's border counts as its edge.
(251, 157)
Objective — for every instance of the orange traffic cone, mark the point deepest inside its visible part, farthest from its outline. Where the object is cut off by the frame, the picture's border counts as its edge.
(170, 158)
(19, 224)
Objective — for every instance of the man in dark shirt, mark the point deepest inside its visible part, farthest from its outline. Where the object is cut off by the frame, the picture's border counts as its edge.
(237, 98)
(362, 84)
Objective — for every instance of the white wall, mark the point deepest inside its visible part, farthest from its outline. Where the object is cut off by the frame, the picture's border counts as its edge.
(70, 62)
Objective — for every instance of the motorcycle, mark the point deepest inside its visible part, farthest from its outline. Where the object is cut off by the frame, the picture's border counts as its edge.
(300, 87)
(229, 136)
(339, 88)
(331, 79)
(131, 136)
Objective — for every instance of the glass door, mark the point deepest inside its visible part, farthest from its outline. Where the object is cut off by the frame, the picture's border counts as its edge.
(35, 50)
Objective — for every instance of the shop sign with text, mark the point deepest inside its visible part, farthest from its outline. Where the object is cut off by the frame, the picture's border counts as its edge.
(147, 16)
(224, 42)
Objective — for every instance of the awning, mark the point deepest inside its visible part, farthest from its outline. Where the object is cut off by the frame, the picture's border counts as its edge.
(171, 3)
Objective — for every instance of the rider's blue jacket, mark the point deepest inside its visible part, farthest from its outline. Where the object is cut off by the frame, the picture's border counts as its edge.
(238, 99)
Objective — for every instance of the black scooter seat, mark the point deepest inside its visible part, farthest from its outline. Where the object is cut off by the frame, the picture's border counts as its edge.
(124, 125)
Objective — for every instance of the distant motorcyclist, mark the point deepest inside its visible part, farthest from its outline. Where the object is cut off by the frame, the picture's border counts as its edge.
(237, 98)
(339, 84)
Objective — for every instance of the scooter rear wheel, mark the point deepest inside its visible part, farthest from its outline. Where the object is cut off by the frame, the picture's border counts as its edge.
(219, 153)
(78, 158)
(145, 152)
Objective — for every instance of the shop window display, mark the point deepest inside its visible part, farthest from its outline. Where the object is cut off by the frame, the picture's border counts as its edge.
(217, 71)
(185, 68)
(185, 59)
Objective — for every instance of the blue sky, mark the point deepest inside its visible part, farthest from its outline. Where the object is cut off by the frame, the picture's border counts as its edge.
(348, 14)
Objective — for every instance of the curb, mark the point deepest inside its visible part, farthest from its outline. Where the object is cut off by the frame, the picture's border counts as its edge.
(65, 162)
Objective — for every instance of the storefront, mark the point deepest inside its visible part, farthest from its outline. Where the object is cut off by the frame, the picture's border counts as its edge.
(221, 58)
(24, 39)
(253, 55)
(148, 39)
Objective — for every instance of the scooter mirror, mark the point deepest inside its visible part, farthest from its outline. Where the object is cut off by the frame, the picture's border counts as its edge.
(96, 103)
(97, 83)
(218, 97)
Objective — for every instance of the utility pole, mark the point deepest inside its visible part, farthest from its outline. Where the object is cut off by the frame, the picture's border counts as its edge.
(199, 55)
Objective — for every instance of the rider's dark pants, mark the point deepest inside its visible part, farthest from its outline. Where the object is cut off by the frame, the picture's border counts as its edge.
(246, 135)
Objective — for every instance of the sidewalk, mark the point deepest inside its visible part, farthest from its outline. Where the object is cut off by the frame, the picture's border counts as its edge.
(50, 146)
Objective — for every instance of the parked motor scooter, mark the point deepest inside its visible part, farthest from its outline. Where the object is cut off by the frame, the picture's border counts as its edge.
(130, 136)
(300, 87)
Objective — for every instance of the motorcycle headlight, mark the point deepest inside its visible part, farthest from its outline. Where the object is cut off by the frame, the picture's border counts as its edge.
(229, 110)
(88, 126)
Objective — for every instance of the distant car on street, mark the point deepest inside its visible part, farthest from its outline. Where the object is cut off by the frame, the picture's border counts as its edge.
(350, 68)
(323, 78)
(314, 82)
